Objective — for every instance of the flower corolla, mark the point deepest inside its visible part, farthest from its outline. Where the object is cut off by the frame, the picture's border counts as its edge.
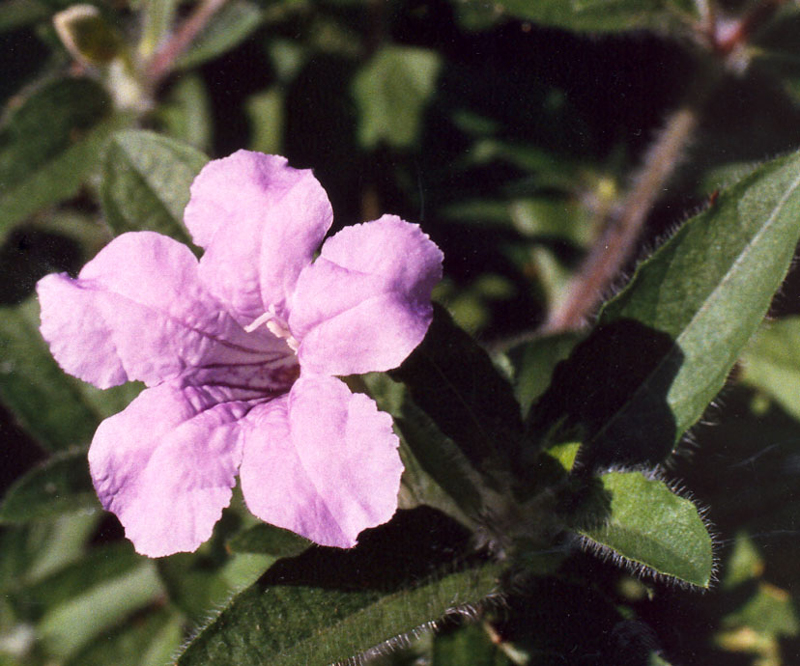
(240, 352)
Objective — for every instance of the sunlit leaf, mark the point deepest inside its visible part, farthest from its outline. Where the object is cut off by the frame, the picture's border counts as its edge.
(647, 526)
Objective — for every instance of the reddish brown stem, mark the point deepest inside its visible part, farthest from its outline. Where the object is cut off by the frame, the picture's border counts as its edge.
(162, 62)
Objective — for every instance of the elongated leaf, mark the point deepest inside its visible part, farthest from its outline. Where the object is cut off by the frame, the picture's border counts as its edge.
(602, 15)
(58, 410)
(328, 605)
(50, 145)
(59, 485)
(652, 529)
(392, 92)
(146, 179)
(772, 363)
(664, 346)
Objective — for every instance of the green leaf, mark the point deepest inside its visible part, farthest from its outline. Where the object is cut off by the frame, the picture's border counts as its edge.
(391, 92)
(265, 113)
(469, 644)
(18, 13)
(270, 540)
(231, 25)
(650, 528)
(59, 485)
(50, 145)
(534, 362)
(149, 641)
(58, 410)
(664, 346)
(328, 605)
(70, 626)
(185, 113)
(95, 568)
(772, 363)
(453, 380)
(603, 15)
(146, 180)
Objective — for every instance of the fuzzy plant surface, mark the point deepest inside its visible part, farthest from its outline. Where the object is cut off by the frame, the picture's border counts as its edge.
(402, 332)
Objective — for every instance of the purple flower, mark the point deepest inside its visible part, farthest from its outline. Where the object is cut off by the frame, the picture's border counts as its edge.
(239, 352)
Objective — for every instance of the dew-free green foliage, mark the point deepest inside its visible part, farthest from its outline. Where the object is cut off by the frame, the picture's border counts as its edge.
(649, 525)
(772, 363)
(50, 144)
(146, 180)
(392, 92)
(710, 285)
(512, 132)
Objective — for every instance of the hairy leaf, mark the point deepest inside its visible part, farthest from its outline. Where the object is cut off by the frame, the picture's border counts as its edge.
(664, 346)
(651, 528)
(328, 605)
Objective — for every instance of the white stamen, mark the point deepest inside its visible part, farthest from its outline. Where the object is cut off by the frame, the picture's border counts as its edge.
(261, 320)
(276, 326)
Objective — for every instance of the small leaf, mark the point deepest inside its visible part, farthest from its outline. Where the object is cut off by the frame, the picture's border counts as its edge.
(146, 179)
(391, 92)
(232, 24)
(603, 15)
(652, 529)
(534, 362)
(328, 605)
(87, 35)
(50, 145)
(58, 410)
(185, 113)
(772, 363)
(59, 485)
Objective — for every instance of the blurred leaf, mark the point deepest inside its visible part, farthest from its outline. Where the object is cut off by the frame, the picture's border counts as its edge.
(269, 540)
(265, 112)
(603, 15)
(148, 641)
(50, 144)
(772, 363)
(88, 36)
(59, 485)
(231, 25)
(70, 626)
(650, 528)
(158, 19)
(96, 567)
(469, 644)
(58, 410)
(744, 563)
(770, 611)
(185, 113)
(146, 179)
(453, 380)
(391, 92)
(18, 13)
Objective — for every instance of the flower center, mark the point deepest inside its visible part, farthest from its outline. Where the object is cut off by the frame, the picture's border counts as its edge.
(275, 325)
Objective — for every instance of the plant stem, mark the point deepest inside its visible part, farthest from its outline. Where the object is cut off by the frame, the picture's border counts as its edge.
(162, 62)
